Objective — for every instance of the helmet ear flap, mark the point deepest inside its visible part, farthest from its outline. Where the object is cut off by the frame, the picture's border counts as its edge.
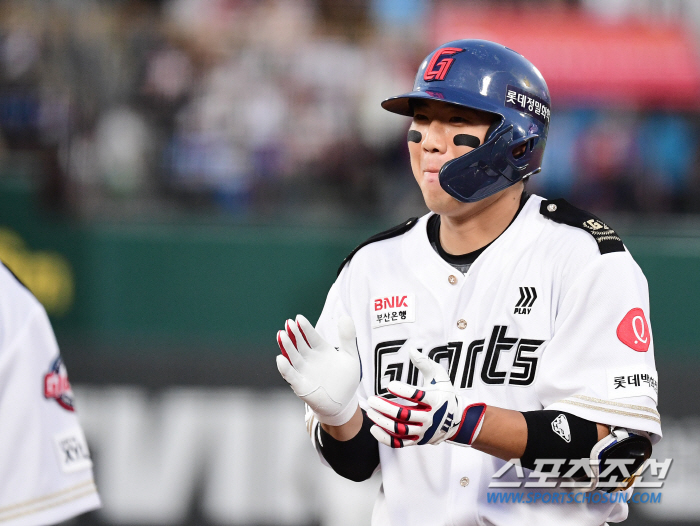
(521, 151)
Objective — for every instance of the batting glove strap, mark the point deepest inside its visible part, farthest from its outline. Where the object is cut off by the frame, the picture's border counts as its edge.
(343, 417)
(472, 419)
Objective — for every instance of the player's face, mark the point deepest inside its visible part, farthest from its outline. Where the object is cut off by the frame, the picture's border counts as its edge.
(438, 124)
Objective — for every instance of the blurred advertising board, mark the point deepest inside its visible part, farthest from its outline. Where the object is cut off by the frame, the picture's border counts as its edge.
(629, 63)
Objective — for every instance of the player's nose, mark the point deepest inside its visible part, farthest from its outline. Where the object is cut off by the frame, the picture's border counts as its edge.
(435, 138)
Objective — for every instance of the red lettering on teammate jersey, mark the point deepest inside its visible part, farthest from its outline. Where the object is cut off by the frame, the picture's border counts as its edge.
(633, 331)
(393, 302)
(437, 70)
(56, 385)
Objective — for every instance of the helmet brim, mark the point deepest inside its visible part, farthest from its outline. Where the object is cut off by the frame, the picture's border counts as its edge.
(401, 104)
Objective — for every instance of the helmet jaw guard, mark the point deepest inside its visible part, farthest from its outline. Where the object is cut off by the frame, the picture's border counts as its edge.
(491, 167)
(485, 76)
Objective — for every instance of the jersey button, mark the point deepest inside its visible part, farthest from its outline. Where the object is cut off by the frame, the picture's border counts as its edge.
(452, 280)
(464, 482)
(462, 324)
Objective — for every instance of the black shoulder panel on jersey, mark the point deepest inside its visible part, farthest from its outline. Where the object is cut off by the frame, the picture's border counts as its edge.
(561, 211)
(387, 234)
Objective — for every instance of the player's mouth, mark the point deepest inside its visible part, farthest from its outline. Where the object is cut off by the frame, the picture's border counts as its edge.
(431, 175)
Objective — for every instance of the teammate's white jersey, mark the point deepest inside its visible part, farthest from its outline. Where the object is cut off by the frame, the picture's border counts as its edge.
(541, 320)
(44, 461)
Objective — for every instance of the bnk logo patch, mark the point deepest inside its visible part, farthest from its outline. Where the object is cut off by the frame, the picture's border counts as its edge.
(437, 69)
(633, 331)
(388, 310)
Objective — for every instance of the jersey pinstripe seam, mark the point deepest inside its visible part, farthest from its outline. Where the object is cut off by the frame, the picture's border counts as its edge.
(89, 483)
(616, 404)
(614, 411)
(52, 505)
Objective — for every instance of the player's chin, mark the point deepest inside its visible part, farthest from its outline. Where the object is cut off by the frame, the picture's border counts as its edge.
(439, 201)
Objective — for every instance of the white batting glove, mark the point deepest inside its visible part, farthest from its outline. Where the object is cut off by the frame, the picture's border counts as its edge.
(324, 377)
(434, 413)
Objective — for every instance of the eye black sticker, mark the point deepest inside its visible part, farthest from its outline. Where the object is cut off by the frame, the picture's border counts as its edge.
(464, 139)
(414, 136)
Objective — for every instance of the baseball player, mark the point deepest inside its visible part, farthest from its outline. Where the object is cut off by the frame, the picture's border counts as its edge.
(45, 463)
(499, 331)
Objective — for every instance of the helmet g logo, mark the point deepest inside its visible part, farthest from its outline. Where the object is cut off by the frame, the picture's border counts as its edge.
(437, 70)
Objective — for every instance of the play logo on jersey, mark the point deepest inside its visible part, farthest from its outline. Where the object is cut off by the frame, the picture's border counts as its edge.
(392, 309)
(633, 331)
(57, 386)
(528, 295)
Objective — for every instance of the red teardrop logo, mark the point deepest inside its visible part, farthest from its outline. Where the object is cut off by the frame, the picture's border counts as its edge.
(633, 331)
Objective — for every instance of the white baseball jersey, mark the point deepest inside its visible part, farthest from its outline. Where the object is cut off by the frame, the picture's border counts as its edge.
(44, 460)
(543, 319)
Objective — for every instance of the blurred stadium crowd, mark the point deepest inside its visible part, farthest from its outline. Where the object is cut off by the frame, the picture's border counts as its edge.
(269, 109)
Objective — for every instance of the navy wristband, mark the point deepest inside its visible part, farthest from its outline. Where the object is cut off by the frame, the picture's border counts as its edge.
(471, 420)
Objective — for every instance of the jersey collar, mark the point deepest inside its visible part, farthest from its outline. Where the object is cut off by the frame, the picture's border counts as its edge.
(434, 272)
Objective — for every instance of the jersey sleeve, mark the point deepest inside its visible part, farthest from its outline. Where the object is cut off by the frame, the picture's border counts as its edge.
(45, 459)
(599, 363)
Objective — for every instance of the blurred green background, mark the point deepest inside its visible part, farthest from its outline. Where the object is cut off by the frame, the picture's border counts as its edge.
(188, 283)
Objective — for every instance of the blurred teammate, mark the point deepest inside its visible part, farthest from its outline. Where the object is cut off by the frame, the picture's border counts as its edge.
(45, 463)
(499, 326)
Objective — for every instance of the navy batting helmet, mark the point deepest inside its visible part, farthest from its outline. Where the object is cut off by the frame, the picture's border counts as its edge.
(489, 77)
